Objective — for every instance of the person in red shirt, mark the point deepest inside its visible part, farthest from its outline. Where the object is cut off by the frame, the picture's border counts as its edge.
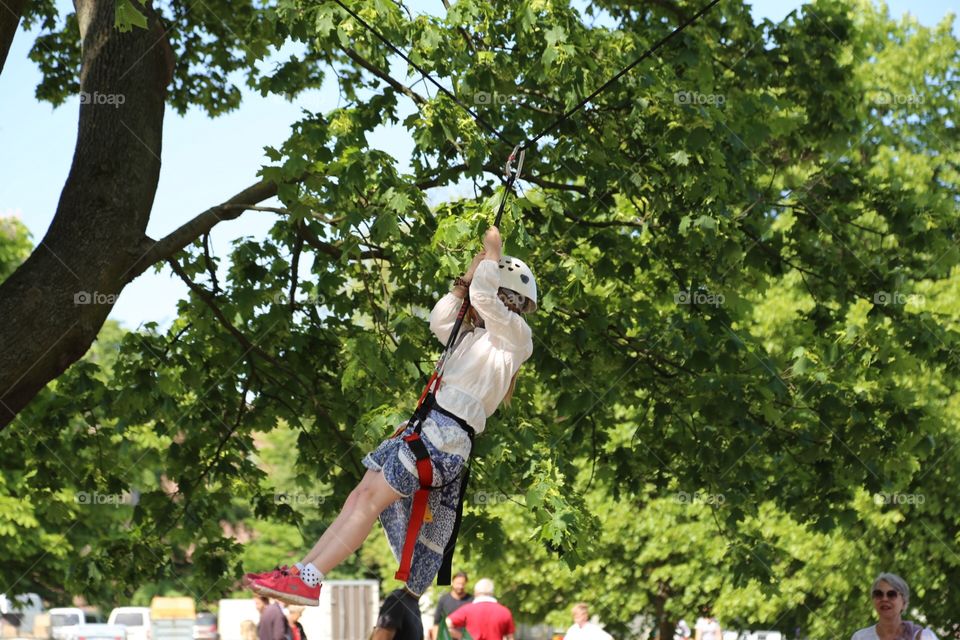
(484, 618)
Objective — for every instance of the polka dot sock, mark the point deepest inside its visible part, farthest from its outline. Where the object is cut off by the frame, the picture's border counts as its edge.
(310, 575)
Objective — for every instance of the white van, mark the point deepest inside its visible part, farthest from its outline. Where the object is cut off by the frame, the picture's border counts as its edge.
(135, 619)
(63, 621)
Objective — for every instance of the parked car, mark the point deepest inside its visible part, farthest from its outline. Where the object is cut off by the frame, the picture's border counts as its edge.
(96, 631)
(63, 619)
(135, 619)
(205, 627)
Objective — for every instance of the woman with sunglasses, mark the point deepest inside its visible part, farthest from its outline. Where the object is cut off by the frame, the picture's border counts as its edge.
(891, 595)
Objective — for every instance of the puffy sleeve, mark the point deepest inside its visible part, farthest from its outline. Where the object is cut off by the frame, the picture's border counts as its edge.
(499, 321)
(443, 316)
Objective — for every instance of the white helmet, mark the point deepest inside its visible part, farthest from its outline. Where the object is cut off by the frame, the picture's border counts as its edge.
(517, 276)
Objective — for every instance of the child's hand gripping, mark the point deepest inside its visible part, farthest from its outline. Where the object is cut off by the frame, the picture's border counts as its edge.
(477, 259)
(492, 244)
(491, 251)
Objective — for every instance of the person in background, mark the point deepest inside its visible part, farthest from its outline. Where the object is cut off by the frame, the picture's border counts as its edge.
(293, 617)
(707, 627)
(399, 617)
(260, 603)
(682, 632)
(891, 596)
(248, 630)
(582, 628)
(450, 602)
(273, 624)
(484, 618)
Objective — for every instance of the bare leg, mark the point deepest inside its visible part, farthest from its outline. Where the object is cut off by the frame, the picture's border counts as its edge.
(353, 525)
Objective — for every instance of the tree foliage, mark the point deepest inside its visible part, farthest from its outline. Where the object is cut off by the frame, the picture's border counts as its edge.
(747, 255)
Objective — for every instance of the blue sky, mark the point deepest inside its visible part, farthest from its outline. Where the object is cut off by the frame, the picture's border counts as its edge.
(204, 161)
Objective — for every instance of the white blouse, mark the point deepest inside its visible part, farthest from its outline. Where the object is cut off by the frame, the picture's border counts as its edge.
(870, 633)
(477, 374)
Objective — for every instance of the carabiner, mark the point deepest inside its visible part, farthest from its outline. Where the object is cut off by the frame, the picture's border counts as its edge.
(509, 172)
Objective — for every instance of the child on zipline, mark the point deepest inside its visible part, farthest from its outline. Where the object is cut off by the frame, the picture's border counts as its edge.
(479, 374)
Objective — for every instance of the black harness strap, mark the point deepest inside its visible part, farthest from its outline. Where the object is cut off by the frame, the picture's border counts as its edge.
(443, 576)
(422, 455)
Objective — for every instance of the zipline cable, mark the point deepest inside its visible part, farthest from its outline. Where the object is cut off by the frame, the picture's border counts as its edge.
(649, 52)
(531, 141)
(426, 75)
(510, 173)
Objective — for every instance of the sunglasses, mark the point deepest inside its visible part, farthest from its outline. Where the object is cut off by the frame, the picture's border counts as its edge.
(891, 595)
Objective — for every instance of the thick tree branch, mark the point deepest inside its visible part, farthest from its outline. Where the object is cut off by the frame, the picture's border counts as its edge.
(602, 224)
(441, 177)
(153, 252)
(208, 258)
(559, 186)
(295, 265)
(333, 250)
(169, 245)
(249, 207)
(383, 75)
(10, 13)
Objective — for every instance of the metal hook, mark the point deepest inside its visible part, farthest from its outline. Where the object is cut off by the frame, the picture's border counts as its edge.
(509, 172)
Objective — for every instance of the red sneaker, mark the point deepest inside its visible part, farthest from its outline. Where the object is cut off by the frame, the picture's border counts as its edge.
(286, 586)
(250, 577)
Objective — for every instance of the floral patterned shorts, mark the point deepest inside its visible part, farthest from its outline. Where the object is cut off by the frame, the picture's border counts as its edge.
(449, 448)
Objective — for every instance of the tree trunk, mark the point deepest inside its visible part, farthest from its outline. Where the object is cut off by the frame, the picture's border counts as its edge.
(54, 305)
(665, 626)
(10, 14)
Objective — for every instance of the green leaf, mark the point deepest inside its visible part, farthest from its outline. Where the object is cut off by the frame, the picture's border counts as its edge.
(128, 16)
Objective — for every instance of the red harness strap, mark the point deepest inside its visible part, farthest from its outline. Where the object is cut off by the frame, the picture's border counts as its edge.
(417, 513)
